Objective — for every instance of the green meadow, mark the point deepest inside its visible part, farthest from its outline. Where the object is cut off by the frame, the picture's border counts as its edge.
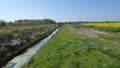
(72, 47)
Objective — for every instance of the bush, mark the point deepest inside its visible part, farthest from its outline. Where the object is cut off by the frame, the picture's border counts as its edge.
(2, 23)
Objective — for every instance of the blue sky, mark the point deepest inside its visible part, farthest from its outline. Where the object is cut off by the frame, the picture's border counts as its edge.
(61, 10)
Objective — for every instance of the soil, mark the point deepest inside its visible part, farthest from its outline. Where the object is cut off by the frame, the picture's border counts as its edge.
(90, 32)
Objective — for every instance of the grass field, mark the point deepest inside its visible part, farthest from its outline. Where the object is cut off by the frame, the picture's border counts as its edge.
(13, 28)
(71, 48)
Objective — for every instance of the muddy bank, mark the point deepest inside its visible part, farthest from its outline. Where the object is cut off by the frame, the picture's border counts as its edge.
(22, 59)
(17, 42)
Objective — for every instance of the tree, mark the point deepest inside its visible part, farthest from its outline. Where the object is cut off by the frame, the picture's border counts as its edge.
(2, 23)
(48, 21)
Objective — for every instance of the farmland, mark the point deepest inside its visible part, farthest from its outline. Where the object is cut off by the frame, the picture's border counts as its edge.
(110, 27)
(113, 25)
(75, 46)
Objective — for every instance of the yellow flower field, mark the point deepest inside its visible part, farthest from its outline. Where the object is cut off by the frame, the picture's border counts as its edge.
(114, 25)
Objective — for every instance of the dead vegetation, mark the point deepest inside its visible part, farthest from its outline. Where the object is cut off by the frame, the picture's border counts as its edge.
(90, 32)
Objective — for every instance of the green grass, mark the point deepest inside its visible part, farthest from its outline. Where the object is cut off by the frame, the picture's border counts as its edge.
(108, 29)
(68, 49)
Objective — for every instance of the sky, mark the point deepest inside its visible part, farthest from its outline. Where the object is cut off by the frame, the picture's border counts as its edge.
(60, 10)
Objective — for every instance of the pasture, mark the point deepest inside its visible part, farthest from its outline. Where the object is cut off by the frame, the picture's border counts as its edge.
(79, 47)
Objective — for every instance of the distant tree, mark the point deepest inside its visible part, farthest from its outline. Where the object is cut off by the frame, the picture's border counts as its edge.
(2, 23)
(10, 23)
(48, 21)
(34, 22)
(31, 22)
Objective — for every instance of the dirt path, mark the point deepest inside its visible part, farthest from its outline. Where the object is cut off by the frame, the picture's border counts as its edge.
(90, 32)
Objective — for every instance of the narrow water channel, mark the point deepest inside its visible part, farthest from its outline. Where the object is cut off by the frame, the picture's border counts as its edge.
(24, 58)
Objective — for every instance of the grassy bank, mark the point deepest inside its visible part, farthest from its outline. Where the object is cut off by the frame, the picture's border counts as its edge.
(69, 49)
(16, 42)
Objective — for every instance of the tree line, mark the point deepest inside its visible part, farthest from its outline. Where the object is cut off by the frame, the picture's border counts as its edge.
(27, 22)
